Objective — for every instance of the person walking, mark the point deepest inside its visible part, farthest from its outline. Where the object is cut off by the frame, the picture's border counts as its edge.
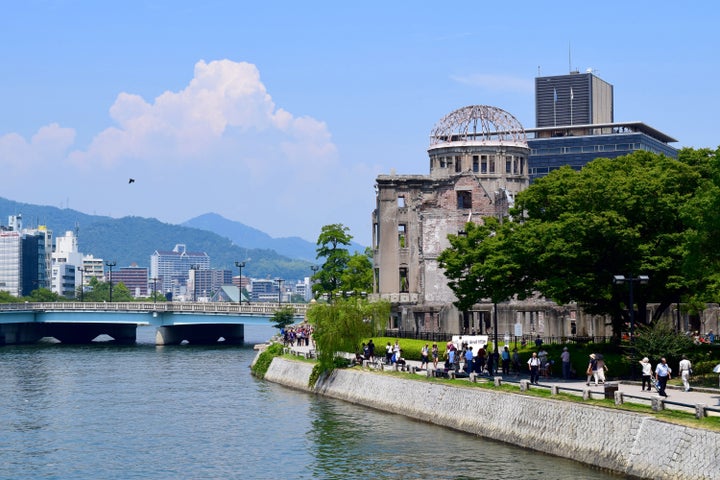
(425, 355)
(506, 361)
(685, 369)
(435, 354)
(646, 373)
(565, 357)
(534, 366)
(662, 375)
(516, 362)
(592, 370)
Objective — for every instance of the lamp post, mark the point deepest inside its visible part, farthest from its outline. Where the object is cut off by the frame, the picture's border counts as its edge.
(314, 269)
(240, 266)
(280, 281)
(111, 265)
(82, 284)
(154, 280)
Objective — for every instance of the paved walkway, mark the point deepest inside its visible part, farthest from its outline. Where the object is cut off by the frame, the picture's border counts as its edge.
(706, 396)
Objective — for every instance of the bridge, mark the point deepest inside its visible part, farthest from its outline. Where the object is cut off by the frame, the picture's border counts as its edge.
(176, 322)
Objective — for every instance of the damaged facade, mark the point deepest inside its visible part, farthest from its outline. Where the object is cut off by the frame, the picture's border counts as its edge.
(478, 163)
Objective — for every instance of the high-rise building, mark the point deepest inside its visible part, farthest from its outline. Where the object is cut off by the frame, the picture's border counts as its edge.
(24, 257)
(575, 125)
(10, 261)
(172, 269)
(134, 278)
(203, 284)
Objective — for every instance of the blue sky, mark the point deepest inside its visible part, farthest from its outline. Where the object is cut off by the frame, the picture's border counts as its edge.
(281, 115)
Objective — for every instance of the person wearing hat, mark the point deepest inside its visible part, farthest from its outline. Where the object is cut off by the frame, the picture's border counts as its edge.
(565, 357)
(646, 373)
(592, 370)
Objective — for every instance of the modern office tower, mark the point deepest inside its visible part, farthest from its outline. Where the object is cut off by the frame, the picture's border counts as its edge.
(134, 278)
(172, 269)
(575, 99)
(575, 125)
(478, 163)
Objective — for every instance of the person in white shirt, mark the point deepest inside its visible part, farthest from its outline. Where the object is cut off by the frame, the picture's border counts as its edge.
(646, 373)
(685, 368)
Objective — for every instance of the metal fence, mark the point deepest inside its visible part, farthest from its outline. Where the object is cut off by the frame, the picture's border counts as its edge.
(529, 339)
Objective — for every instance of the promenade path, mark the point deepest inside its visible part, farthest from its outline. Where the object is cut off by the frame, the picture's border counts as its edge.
(706, 396)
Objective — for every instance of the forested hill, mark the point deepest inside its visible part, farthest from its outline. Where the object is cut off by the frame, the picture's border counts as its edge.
(134, 239)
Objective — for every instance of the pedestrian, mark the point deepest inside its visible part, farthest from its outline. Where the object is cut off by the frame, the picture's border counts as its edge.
(533, 366)
(468, 360)
(425, 356)
(601, 368)
(490, 365)
(371, 350)
(592, 370)
(662, 375)
(388, 354)
(506, 361)
(516, 362)
(565, 357)
(685, 369)
(435, 354)
(646, 373)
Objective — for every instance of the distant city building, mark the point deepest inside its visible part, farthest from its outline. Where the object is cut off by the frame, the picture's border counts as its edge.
(24, 257)
(134, 278)
(202, 284)
(10, 258)
(575, 125)
(66, 252)
(63, 279)
(265, 290)
(93, 268)
(172, 268)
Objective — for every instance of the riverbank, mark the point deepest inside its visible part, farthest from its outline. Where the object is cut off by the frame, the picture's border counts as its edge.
(623, 442)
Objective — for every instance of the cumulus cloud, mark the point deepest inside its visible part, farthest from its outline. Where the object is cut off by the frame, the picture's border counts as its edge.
(219, 144)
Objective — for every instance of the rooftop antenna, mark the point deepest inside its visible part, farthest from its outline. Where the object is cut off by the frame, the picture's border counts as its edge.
(569, 58)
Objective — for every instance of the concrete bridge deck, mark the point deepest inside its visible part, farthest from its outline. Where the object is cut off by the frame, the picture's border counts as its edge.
(176, 322)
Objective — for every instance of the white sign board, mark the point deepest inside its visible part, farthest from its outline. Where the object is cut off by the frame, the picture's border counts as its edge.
(518, 329)
(475, 341)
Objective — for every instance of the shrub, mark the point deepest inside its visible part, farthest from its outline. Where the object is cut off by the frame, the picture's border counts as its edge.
(260, 368)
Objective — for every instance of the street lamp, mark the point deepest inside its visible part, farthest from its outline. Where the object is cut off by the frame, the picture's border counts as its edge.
(642, 280)
(82, 283)
(111, 265)
(240, 266)
(154, 280)
(280, 281)
(314, 268)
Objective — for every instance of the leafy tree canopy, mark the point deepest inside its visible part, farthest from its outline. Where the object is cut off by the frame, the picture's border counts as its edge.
(574, 230)
(330, 245)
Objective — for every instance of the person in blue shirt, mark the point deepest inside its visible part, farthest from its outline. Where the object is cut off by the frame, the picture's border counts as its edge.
(506, 361)
(662, 375)
(468, 360)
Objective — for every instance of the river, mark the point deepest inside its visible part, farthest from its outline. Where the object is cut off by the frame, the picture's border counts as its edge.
(103, 411)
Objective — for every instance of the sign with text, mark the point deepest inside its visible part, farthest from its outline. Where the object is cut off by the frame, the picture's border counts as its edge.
(475, 341)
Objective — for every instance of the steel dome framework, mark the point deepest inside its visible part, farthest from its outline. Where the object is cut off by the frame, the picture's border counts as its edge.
(478, 123)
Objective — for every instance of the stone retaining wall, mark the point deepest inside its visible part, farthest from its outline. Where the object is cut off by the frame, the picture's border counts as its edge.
(624, 442)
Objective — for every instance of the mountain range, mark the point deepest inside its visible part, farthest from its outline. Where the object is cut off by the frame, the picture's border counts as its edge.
(132, 240)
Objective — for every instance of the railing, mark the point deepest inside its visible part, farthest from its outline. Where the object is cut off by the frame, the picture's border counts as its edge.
(260, 309)
(529, 339)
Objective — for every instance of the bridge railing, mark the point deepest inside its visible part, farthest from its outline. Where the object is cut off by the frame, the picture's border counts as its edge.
(260, 309)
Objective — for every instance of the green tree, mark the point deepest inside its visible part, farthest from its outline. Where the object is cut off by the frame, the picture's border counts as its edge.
(340, 326)
(335, 258)
(661, 340)
(43, 295)
(480, 264)
(702, 237)
(283, 317)
(98, 291)
(358, 275)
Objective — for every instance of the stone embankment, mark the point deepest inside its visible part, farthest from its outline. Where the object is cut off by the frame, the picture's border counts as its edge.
(623, 442)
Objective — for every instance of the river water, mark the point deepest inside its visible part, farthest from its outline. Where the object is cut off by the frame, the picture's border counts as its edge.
(188, 412)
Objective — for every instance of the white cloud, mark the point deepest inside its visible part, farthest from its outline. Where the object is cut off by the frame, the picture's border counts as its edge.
(219, 144)
(497, 83)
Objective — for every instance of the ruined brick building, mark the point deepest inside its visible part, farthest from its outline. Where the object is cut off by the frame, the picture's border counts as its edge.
(478, 163)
